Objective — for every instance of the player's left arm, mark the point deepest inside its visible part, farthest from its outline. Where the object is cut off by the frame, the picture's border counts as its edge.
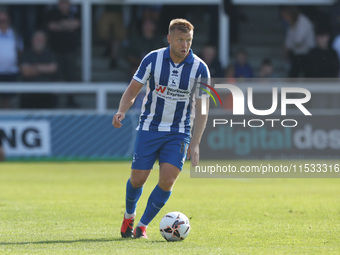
(200, 123)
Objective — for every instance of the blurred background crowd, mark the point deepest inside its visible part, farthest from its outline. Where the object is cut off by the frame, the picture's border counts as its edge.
(42, 43)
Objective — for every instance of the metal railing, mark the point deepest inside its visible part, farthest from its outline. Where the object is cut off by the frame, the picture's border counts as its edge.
(100, 90)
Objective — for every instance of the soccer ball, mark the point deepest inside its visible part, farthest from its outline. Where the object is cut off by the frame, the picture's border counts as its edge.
(174, 226)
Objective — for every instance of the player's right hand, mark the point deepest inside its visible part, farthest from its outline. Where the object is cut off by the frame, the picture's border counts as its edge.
(117, 118)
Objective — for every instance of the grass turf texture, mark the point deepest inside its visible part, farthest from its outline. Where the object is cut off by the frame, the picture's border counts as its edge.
(77, 208)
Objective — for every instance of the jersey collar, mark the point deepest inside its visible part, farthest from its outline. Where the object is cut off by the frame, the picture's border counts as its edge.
(189, 59)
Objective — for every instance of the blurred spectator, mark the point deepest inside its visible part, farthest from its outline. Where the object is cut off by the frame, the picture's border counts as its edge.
(150, 12)
(318, 14)
(2, 153)
(322, 61)
(212, 13)
(11, 47)
(63, 25)
(38, 64)
(336, 47)
(229, 74)
(209, 56)
(140, 13)
(112, 32)
(230, 79)
(138, 46)
(241, 66)
(236, 16)
(299, 39)
(266, 69)
(24, 19)
(334, 15)
(142, 43)
(172, 11)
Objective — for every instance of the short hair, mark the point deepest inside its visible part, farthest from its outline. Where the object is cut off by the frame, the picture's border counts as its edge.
(321, 30)
(180, 24)
(242, 51)
(266, 62)
(292, 11)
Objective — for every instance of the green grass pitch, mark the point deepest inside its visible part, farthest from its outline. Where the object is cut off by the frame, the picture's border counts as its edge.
(77, 208)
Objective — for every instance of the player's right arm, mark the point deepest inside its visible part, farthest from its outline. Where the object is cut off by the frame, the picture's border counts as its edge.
(126, 102)
(139, 79)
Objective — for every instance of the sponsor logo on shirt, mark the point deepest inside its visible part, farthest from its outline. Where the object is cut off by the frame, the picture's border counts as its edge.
(172, 93)
(160, 88)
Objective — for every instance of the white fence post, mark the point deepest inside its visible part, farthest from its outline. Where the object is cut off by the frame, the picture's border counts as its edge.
(101, 95)
(86, 40)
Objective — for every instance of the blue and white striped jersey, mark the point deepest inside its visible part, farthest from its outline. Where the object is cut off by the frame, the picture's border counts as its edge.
(167, 103)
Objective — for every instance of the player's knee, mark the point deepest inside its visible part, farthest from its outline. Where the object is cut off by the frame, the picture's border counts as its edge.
(137, 181)
(166, 184)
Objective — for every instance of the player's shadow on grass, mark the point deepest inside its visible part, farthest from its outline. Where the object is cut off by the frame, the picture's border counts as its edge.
(117, 239)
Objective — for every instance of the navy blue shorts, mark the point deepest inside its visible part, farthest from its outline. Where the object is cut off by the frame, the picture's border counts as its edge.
(168, 147)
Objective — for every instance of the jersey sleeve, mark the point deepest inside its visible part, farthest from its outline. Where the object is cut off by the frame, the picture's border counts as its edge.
(204, 72)
(143, 72)
(202, 77)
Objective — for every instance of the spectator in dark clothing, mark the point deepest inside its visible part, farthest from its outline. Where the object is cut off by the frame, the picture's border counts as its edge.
(38, 64)
(236, 16)
(24, 21)
(266, 69)
(322, 61)
(63, 25)
(151, 12)
(142, 43)
(112, 32)
(209, 55)
(334, 16)
(229, 75)
(242, 67)
(139, 45)
(300, 39)
(336, 45)
(11, 46)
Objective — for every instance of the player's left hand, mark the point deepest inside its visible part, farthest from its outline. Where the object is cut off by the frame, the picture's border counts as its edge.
(194, 154)
(117, 118)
